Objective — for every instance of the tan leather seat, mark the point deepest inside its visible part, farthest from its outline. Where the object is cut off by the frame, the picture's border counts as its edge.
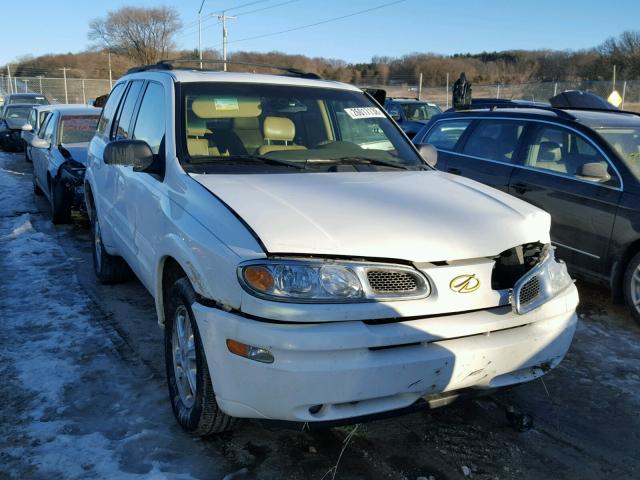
(198, 147)
(248, 131)
(279, 129)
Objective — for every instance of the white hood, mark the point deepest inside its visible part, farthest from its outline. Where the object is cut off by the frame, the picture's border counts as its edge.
(417, 216)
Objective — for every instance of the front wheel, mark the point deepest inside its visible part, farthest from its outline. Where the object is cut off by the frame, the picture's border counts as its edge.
(631, 286)
(190, 389)
(26, 152)
(60, 201)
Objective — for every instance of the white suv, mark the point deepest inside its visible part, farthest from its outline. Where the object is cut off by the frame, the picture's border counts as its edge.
(306, 263)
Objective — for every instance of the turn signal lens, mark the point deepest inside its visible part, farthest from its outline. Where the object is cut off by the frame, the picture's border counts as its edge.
(247, 351)
(259, 278)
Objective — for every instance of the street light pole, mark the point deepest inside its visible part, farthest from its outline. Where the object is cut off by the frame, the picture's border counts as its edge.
(200, 32)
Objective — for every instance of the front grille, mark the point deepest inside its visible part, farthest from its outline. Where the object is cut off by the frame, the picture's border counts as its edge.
(385, 281)
(529, 291)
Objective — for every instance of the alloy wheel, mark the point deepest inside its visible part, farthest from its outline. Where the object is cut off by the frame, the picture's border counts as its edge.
(184, 356)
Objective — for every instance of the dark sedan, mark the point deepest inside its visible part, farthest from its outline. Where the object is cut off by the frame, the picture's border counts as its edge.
(14, 116)
(581, 166)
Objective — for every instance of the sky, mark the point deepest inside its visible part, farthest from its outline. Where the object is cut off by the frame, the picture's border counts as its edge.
(445, 27)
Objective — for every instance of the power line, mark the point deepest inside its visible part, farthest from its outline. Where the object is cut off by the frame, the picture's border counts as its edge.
(360, 12)
(241, 14)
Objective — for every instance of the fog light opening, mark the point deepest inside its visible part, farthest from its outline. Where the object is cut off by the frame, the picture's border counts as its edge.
(314, 409)
(248, 351)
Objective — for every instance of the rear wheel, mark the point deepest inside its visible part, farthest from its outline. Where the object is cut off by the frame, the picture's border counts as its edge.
(190, 389)
(60, 203)
(109, 269)
(631, 286)
(26, 152)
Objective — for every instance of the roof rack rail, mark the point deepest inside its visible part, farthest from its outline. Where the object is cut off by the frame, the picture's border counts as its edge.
(603, 110)
(559, 112)
(169, 65)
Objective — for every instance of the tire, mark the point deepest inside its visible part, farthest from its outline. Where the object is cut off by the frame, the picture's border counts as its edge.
(109, 269)
(197, 412)
(26, 153)
(60, 203)
(36, 189)
(631, 286)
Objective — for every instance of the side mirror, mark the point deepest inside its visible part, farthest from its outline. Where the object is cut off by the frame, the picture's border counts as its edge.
(429, 154)
(129, 153)
(40, 143)
(27, 127)
(594, 171)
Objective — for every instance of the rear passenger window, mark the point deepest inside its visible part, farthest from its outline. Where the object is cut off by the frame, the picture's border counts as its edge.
(494, 140)
(559, 150)
(123, 122)
(445, 134)
(110, 108)
(150, 125)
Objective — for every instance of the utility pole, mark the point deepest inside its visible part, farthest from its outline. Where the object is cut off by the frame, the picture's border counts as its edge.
(223, 18)
(614, 77)
(40, 78)
(200, 32)
(447, 92)
(9, 77)
(420, 87)
(110, 78)
(66, 94)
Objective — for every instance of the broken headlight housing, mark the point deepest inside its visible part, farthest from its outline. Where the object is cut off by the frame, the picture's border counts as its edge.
(542, 283)
(318, 281)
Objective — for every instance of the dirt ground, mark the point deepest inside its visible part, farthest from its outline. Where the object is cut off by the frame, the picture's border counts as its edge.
(83, 393)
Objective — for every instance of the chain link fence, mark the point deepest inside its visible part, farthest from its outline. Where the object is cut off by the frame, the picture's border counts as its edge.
(629, 90)
(57, 90)
(77, 90)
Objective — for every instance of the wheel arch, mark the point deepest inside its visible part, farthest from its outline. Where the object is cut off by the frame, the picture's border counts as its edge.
(620, 267)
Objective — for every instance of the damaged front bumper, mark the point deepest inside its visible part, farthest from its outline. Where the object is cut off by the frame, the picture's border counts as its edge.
(343, 370)
(71, 175)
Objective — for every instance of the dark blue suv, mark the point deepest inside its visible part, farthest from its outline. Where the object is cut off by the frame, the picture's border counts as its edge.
(411, 114)
(581, 166)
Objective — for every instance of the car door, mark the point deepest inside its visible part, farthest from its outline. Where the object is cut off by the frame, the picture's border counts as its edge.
(146, 192)
(488, 150)
(41, 155)
(582, 209)
(123, 222)
(103, 175)
(445, 135)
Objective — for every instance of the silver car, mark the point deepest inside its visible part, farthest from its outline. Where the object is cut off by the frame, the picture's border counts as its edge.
(59, 154)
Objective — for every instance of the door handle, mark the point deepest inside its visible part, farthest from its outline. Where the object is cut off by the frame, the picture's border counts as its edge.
(521, 187)
(455, 171)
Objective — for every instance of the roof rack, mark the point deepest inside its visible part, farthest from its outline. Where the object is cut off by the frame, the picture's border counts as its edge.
(559, 112)
(603, 110)
(403, 98)
(169, 65)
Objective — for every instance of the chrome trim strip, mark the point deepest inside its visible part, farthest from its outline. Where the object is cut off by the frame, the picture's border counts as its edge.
(576, 250)
(548, 172)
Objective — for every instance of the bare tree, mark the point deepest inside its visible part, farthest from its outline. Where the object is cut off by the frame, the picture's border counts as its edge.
(143, 34)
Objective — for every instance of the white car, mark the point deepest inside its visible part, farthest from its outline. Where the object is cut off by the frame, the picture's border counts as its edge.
(30, 129)
(299, 276)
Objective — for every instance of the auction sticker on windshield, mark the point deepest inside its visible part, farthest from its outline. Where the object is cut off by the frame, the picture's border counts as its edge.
(226, 103)
(364, 112)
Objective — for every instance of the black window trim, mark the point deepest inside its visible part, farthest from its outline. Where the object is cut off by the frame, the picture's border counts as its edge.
(134, 114)
(531, 121)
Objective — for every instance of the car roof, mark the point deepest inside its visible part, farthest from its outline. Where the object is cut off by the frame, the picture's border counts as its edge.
(76, 110)
(193, 76)
(18, 105)
(589, 118)
(25, 95)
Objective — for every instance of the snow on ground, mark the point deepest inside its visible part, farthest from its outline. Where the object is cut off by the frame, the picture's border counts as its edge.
(57, 363)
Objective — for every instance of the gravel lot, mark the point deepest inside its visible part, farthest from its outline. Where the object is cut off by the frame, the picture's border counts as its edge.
(83, 391)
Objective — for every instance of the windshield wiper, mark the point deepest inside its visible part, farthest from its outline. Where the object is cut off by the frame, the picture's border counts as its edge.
(354, 160)
(249, 158)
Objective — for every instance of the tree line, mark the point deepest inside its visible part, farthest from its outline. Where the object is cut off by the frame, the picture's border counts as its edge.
(132, 36)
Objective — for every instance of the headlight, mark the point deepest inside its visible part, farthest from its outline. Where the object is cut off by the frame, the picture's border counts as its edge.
(327, 281)
(541, 283)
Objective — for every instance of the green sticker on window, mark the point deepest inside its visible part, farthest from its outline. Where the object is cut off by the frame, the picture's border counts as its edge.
(226, 103)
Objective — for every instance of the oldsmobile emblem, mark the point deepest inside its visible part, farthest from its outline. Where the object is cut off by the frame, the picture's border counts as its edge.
(465, 284)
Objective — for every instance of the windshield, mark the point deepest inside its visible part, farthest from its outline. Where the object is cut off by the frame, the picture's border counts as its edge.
(420, 111)
(626, 142)
(78, 128)
(277, 126)
(17, 113)
(37, 100)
